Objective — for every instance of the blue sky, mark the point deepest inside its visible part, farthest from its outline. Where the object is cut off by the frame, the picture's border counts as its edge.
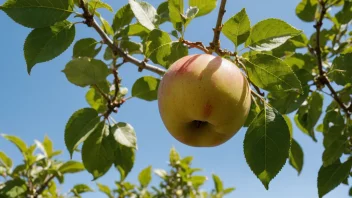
(40, 104)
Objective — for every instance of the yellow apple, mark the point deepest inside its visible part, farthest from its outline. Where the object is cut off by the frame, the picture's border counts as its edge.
(203, 100)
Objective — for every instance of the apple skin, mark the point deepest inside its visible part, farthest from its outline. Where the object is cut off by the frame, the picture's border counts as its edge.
(203, 100)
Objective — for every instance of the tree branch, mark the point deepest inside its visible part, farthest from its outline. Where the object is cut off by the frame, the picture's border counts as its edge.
(91, 22)
(44, 186)
(198, 45)
(215, 45)
(323, 79)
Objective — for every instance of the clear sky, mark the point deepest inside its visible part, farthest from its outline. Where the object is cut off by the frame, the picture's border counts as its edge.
(39, 104)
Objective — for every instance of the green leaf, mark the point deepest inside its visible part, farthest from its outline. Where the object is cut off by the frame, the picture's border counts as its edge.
(306, 10)
(253, 112)
(333, 152)
(37, 13)
(18, 142)
(296, 156)
(131, 47)
(237, 28)
(71, 167)
(48, 146)
(309, 113)
(96, 100)
(96, 4)
(267, 145)
(80, 125)
(97, 153)
(174, 156)
(145, 13)
(344, 16)
(124, 160)
(190, 14)
(146, 88)
(105, 25)
(86, 48)
(163, 12)
(341, 72)
(44, 44)
(105, 189)
(14, 189)
(198, 180)
(204, 6)
(269, 34)
(81, 188)
(5, 160)
(124, 134)
(161, 173)
(122, 17)
(135, 29)
(332, 176)
(176, 9)
(229, 190)
(145, 176)
(84, 71)
(272, 74)
(219, 187)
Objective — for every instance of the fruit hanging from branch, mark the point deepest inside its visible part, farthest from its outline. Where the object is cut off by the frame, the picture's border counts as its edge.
(203, 100)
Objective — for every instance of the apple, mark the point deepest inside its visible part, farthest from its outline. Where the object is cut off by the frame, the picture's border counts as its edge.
(203, 100)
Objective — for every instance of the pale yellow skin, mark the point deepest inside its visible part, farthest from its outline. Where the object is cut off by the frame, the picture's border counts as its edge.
(208, 89)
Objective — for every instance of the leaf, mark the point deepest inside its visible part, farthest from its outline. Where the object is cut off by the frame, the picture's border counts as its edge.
(296, 156)
(174, 156)
(97, 153)
(37, 13)
(306, 10)
(131, 47)
(332, 176)
(145, 13)
(96, 100)
(44, 44)
(269, 34)
(84, 71)
(198, 180)
(81, 188)
(105, 189)
(253, 112)
(48, 146)
(145, 176)
(105, 25)
(13, 189)
(161, 173)
(96, 4)
(80, 125)
(71, 167)
(122, 17)
(133, 30)
(124, 134)
(146, 88)
(218, 183)
(86, 48)
(176, 9)
(237, 28)
(344, 16)
(341, 72)
(267, 144)
(333, 152)
(190, 14)
(124, 160)
(309, 113)
(5, 160)
(204, 6)
(272, 74)
(18, 142)
(228, 190)
(163, 12)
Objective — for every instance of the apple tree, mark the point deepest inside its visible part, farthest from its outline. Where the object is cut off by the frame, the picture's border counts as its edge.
(289, 72)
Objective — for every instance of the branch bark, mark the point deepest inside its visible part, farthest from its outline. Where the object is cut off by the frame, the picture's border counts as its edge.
(215, 45)
(44, 186)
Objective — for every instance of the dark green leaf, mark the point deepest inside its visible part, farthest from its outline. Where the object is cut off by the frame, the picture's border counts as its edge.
(97, 152)
(131, 47)
(145, 176)
(44, 44)
(332, 176)
(84, 71)
(145, 13)
(163, 12)
(345, 15)
(124, 134)
(237, 28)
(333, 152)
(309, 113)
(122, 17)
(341, 72)
(37, 13)
(272, 74)
(218, 183)
(124, 160)
(14, 189)
(267, 145)
(269, 34)
(146, 88)
(5, 160)
(80, 125)
(133, 30)
(204, 6)
(306, 10)
(86, 48)
(296, 156)
(71, 167)
(253, 112)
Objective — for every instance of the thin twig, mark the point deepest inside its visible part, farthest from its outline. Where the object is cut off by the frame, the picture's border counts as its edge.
(215, 45)
(198, 45)
(323, 79)
(44, 186)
